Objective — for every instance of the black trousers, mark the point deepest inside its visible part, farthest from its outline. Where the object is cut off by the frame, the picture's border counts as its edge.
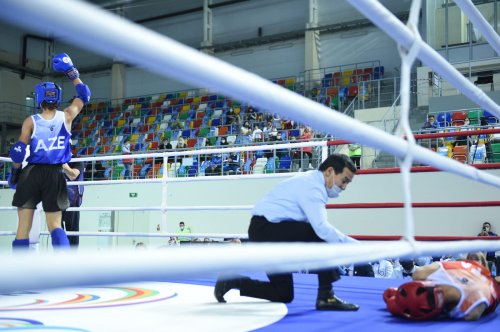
(71, 222)
(280, 286)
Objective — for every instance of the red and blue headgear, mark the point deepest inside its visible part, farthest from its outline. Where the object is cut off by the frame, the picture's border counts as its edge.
(415, 300)
(48, 92)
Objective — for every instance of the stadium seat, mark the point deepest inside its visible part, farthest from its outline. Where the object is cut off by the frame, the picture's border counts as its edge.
(458, 118)
(444, 119)
(460, 153)
(495, 153)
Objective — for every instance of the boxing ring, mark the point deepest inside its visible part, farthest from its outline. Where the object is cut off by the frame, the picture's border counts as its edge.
(39, 278)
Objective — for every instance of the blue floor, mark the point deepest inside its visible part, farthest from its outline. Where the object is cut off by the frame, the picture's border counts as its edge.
(372, 315)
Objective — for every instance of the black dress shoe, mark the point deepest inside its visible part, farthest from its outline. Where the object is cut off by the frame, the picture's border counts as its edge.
(335, 304)
(221, 288)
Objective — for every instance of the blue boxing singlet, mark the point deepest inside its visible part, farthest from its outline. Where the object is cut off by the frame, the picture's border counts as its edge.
(50, 140)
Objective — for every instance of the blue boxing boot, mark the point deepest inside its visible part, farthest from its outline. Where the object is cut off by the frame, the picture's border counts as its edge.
(59, 238)
(18, 245)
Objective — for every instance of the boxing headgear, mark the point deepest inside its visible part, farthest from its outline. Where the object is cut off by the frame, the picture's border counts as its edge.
(416, 300)
(48, 92)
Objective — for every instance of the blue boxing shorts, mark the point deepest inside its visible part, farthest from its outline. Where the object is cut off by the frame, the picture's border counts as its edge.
(42, 183)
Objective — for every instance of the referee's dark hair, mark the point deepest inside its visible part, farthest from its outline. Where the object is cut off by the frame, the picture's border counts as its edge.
(338, 162)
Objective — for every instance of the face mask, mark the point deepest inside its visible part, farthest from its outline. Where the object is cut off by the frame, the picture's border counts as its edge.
(334, 192)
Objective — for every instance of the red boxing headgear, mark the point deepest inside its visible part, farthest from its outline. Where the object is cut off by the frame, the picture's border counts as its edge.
(417, 300)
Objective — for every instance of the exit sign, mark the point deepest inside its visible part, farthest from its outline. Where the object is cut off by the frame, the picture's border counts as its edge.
(132, 195)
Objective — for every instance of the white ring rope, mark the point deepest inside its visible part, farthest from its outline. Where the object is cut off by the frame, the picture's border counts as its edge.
(151, 208)
(145, 234)
(45, 270)
(111, 35)
(407, 59)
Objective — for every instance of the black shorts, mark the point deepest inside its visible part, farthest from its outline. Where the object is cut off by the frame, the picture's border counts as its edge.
(41, 183)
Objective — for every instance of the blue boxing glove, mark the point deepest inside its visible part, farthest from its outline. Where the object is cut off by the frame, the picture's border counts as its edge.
(17, 152)
(62, 63)
(13, 177)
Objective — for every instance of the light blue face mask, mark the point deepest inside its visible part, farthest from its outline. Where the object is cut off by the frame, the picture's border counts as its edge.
(334, 191)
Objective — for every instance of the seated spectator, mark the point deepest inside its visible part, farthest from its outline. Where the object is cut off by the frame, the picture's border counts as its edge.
(404, 268)
(464, 139)
(363, 270)
(165, 145)
(232, 163)
(230, 116)
(273, 134)
(307, 152)
(215, 166)
(267, 130)
(276, 118)
(251, 114)
(260, 121)
(490, 255)
(383, 269)
(431, 123)
(127, 162)
(99, 170)
(245, 129)
(257, 135)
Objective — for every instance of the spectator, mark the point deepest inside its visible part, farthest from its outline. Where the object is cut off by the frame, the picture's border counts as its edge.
(99, 171)
(232, 164)
(127, 162)
(166, 146)
(464, 139)
(490, 255)
(383, 269)
(181, 144)
(307, 152)
(73, 171)
(230, 116)
(251, 114)
(257, 135)
(355, 154)
(404, 268)
(273, 134)
(276, 118)
(431, 123)
(430, 126)
(215, 166)
(245, 129)
(183, 230)
(267, 130)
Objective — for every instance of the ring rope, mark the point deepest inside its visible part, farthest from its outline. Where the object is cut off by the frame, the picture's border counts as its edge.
(108, 34)
(25, 270)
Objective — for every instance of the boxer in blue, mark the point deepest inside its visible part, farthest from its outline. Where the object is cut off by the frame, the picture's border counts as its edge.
(47, 134)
